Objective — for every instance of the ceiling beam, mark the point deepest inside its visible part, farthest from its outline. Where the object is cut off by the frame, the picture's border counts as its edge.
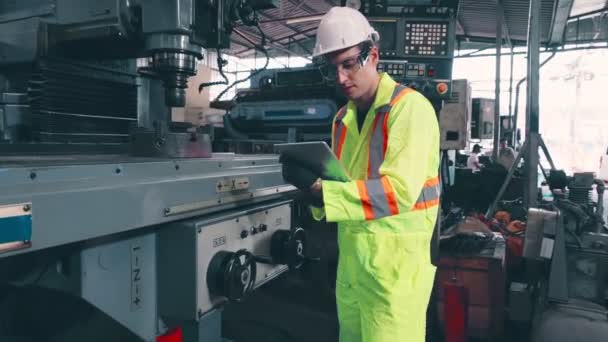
(489, 39)
(290, 27)
(286, 19)
(505, 27)
(279, 40)
(460, 27)
(561, 13)
(248, 36)
(304, 6)
(297, 4)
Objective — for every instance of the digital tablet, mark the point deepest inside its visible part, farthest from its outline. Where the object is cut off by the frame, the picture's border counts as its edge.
(318, 156)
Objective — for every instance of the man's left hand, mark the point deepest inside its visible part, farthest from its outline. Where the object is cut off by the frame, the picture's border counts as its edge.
(297, 174)
(304, 179)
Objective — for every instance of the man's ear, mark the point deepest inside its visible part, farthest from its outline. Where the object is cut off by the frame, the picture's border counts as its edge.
(374, 55)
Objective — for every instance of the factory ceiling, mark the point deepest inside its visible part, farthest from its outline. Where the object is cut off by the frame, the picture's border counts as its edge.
(290, 28)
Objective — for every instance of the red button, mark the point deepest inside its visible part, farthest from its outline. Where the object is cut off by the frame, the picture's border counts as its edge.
(442, 88)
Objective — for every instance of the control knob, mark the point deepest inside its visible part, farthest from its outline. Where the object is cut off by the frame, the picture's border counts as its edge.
(289, 247)
(232, 274)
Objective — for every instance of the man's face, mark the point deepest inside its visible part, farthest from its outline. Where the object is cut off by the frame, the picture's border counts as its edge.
(503, 144)
(353, 79)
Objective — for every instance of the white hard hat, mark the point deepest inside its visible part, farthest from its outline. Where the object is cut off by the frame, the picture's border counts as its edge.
(341, 28)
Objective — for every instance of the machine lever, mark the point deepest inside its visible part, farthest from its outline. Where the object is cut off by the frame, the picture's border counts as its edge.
(263, 259)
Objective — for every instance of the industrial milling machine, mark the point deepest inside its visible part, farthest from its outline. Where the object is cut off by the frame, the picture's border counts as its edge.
(101, 196)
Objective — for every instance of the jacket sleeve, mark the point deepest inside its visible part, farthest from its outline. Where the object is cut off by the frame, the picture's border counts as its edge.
(317, 213)
(412, 154)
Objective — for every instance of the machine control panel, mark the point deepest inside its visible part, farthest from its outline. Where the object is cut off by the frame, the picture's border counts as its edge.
(395, 69)
(198, 255)
(401, 69)
(407, 7)
(426, 39)
(431, 78)
(417, 39)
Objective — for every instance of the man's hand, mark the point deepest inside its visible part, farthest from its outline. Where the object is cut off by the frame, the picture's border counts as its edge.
(316, 191)
(300, 176)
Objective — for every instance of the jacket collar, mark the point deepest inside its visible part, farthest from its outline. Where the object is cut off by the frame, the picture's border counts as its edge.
(384, 93)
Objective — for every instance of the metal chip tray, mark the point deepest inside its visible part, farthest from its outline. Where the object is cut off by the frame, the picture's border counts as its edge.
(76, 198)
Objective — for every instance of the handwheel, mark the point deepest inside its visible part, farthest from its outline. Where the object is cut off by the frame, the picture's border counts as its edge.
(289, 248)
(232, 274)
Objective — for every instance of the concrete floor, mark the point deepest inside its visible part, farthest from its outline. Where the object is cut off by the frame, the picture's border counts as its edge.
(283, 311)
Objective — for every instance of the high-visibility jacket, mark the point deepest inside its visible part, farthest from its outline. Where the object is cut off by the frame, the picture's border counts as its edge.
(385, 215)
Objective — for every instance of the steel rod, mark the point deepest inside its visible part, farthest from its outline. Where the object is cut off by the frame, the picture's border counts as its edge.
(497, 124)
(511, 95)
(547, 154)
(532, 106)
(505, 184)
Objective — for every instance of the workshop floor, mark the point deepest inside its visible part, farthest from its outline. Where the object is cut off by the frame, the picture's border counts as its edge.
(282, 311)
(277, 313)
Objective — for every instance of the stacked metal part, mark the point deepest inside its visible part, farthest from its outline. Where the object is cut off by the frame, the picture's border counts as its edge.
(580, 188)
(80, 103)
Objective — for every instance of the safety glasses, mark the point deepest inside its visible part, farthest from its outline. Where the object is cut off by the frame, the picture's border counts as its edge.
(347, 67)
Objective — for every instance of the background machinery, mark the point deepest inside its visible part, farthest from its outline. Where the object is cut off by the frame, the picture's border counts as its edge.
(100, 193)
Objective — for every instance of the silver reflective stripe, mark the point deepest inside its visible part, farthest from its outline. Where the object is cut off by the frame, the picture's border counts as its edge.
(376, 147)
(377, 198)
(397, 90)
(429, 193)
(384, 109)
(341, 113)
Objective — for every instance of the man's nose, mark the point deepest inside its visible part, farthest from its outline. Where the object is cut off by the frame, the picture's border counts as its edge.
(341, 77)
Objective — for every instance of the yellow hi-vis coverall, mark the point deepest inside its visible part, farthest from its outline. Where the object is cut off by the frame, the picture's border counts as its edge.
(386, 215)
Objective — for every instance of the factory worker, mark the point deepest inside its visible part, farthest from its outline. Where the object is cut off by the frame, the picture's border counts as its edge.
(387, 137)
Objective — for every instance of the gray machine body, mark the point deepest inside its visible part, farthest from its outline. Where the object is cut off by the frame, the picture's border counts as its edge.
(147, 229)
(199, 240)
(120, 279)
(72, 199)
(80, 81)
(156, 281)
(455, 116)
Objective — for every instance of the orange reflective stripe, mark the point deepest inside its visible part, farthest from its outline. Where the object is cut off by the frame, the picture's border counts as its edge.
(391, 198)
(404, 92)
(342, 136)
(426, 205)
(378, 144)
(430, 194)
(365, 202)
(339, 132)
(432, 182)
(384, 135)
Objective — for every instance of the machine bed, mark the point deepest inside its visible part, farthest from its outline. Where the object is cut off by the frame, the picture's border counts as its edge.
(49, 201)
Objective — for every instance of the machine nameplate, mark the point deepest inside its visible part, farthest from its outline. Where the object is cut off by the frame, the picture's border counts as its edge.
(15, 226)
(220, 241)
(232, 184)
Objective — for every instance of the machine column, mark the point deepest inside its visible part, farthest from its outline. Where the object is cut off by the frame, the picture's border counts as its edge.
(532, 106)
